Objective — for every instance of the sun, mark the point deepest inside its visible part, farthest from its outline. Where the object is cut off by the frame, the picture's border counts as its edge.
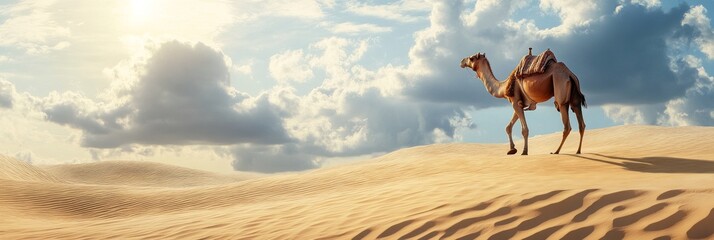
(141, 11)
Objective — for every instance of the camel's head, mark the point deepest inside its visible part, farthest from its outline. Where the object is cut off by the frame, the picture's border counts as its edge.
(472, 61)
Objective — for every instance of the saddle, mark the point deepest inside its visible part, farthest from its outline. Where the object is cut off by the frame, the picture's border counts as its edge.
(529, 65)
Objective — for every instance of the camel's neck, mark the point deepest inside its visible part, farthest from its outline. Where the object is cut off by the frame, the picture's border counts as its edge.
(493, 86)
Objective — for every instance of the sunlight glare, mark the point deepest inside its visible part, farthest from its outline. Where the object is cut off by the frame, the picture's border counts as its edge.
(141, 10)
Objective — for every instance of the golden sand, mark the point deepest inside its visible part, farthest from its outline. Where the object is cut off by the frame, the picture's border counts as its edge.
(632, 182)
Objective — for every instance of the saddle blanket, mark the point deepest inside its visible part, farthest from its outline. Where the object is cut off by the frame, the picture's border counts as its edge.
(534, 64)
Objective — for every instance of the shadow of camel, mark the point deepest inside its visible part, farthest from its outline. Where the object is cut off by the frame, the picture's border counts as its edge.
(657, 164)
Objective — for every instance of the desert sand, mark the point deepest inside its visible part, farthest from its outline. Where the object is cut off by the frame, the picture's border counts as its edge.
(632, 182)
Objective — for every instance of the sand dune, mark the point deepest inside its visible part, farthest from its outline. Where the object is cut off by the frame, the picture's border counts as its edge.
(13, 169)
(136, 173)
(633, 182)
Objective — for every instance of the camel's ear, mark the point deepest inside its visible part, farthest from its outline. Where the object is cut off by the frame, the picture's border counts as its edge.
(484, 55)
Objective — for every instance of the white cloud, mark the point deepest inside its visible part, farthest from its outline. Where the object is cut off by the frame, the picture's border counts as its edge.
(309, 9)
(648, 3)
(353, 111)
(695, 107)
(245, 69)
(401, 11)
(31, 28)
(7, 94)
(353, 28)
(697, 18)
(490, 13)
(571, 12)
(338, 56)
(20, 103)
(575, 13)
(290, 66)
(74, 110)
(301, 9)
(180, 95)
(673, 116)
(433, 74)
(633, 113)
(625, 114)
(27, 136)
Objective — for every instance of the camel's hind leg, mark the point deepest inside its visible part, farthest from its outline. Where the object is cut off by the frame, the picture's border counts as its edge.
(566, 125)
(561, 92)
(578, 110)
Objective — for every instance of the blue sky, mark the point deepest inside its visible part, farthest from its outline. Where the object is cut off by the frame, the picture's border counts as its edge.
(276, 86)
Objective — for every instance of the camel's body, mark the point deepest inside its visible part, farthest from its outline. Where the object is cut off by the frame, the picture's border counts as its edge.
(556, 81)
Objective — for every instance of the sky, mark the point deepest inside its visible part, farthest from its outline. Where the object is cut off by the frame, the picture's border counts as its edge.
(291, 85)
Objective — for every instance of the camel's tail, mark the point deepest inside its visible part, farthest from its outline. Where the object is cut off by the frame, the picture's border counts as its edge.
(575, 92)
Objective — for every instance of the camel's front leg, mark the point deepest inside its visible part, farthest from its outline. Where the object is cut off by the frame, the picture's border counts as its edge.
(524, 127)
(509, 130)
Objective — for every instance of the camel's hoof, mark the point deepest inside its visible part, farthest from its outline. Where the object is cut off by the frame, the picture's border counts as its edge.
(512, 151)
(555, 153)
(577, 152)
(524, 153)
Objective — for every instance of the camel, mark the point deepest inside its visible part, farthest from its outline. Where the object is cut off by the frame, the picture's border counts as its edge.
(555, 81)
